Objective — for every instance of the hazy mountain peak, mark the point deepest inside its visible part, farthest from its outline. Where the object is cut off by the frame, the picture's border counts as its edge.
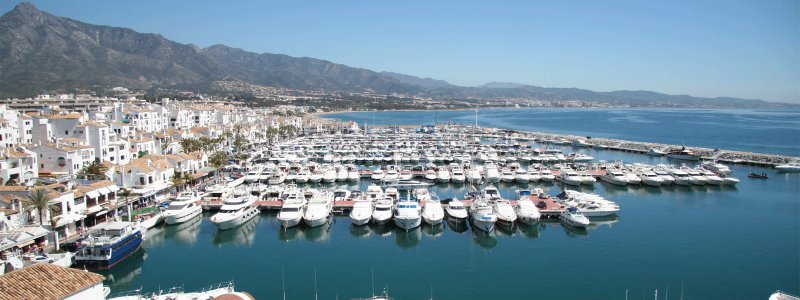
(428, 83)
(501, 85)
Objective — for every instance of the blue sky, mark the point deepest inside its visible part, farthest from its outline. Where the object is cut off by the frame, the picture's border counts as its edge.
(748, 49)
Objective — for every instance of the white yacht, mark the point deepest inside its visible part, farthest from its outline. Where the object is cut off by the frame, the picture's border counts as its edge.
(253, 175)
(696, 177)
(341, 174)
(711, 178)
(277, 178)
(432, 213)
(318, 210)
(663, 173)
(650, 178)
(526, 211)
(293, 209)
(632, 177)
(361, 213)
(546, 175)
(683, 154)
(574, 217)
(377, 175)
(302, 177)
(791, 167)
(218, 192)
(340, 195)
(482, 215)
(569, 177)
(315, 177)
(237, 210)
(507, 176)
(474, 175)
(681, 177)
(534, 176)
(656, 152)
(443, 175)
(374, 193)
(383, 211)
(407, 214)
(456, 210)
(430, 174)
(615, 177)
(457, 175)
(521, 175)
(492, 174)
(590, 205)
(183, 208)
(587, 178)
(258, 189)
(353, 175)
(720, 169)
(504, 212)
(391, 175)
(329, 175)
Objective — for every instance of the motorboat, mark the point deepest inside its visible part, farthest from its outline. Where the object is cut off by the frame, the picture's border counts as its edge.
(587, 178)
(253, 175)
(341, 195)
(791, 167)
(696, 177)
(615, 177)
(361, 213)
(407, 214)
(433, 213)
(407, 185)
(318, 209)
(572, 216)
(650, 178)
(474, 175)
(546, 175)
(443, 175)
(315, 177)
(391, 174)
(526, 211)
(580, 157)
(185, 207)
(329, 175)
(457, 175)
(456, 211)
(569, 177)
(521, 175)
(293, 209)
(683, 154)
(302, 177)
(277, 178)
(341, 174)
(718, 168)
(757, 175)
(711, 177)
(590, 205)
(218, 192)
(507, 176)
(430, 174)
(257, 189)
(663, 173)
(377, 175)
(492, 174)
(353, 175)
(374, 193)
(632, 177)
(533, 175)
(383, 211)
(237, 210)
(579, 143)
(656, 152)
(504, 212)
(108, 244)
(681, 177)
(482, 215)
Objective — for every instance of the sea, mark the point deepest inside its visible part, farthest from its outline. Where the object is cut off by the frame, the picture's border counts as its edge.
(699, 242)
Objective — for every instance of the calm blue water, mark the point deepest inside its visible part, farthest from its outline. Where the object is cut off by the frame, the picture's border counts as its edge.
(723, 243)
(763, 131)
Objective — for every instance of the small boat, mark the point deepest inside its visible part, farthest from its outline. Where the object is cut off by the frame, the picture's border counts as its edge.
(293, 209)
(482, 215)
(383, 211)
(361, 213)
(407, 214)
(572, 216)
(759, 176)
(791, 167)
(456, 211)
(656, 152)
(526, 211)
(318, 209)
(432, 213)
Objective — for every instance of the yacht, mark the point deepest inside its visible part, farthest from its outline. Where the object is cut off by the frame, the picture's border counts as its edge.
(546, 175)
(695, 177)
(507, 176)
(456, 210)
(353, 175)
(293, 209)
(374, 193)
(504, 212)
(650, 178)
(482, 215)
(383, 211)
(572, 216)
(474, 176)
(570, 177)
(587, 178)
(521, 175)
(791, 167)
(590, 205)
(265, 175)
(681, 177)
(237, 210)
(361, 213)
(663, 173)
(615, 177)
(391, 175)
(683, 154)
(580, 157)
(277, 178)
(318, 210)
(340, 195)
(632, 177)
(432, 213)
(341, 174)
(183, 208)
(711, 178)
(253, 175)
(656, 152)
(407, 214)
(457, 175)
(302, 177)
(315, 177)
(720, 169)
(258, 189)
(492, 174)
(526, 211)
(443, 175)
(430, 174)
(579, 143)
(329, 175)
(108, 244)
(533, 175)
(377, 175)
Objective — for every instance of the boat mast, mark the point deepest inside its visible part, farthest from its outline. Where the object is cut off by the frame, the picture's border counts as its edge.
(283, 284)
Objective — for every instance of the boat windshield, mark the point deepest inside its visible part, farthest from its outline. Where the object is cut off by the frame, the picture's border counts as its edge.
(381, 208)
(176, 206)
(290, 209)
(228, 211)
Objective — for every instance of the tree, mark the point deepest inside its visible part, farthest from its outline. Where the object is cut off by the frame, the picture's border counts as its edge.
(177, 181)
(187, 178)
(39, 199)
(94, 171)
(55, 214)
(125, 194)
(218, 160)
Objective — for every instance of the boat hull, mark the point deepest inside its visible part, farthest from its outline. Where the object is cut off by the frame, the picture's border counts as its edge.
(487, 226)
(183, 217)
(126, 248)
(236, 221)
(407, 223)
(290, 222)
(316, 222)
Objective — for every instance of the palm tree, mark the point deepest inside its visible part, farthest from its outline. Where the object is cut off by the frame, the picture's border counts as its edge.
(39, 199)
(177, 181)
(187, 178)
(94, 170)
(218, 160)
(125, 194)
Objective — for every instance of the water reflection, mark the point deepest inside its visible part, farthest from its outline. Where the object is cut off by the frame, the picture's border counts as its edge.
(243, 235)
(302, 232)
(407, 239)
(123, 275)
(484, 239)
(186, 232)
(459, 226)
(532, 230)
(433, 231)
(382, 230)
(360, 231)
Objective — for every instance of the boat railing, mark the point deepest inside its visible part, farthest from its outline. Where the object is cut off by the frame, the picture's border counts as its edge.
(131, 293)
(222, 285)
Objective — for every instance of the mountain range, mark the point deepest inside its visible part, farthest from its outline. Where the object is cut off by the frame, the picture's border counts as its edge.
(40, 52)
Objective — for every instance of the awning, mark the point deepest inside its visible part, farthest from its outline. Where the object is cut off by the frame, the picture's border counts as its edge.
(93, 194)
(102, 212)
(113, 188)
(207, 169)
(68, 219)
(104, 191)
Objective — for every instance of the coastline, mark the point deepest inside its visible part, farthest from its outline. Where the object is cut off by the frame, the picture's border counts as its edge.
(721, 155)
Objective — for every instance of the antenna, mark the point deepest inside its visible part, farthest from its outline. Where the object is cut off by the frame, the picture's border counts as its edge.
(315, 283)
(283, 284)
(372, 278)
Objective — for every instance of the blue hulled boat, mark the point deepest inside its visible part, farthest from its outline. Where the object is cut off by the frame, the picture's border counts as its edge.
(108, 244)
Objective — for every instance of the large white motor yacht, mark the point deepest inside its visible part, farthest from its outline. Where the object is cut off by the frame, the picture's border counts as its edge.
(237, 210)
(482, 215)
(318, 210)
(383, 211)
(183, 208)
(456, 211)
(362, 212)
(570, 177)
(526, 211)
(574, 217)
(504, 212)
(615, 177)
(432, 213)
(407, 214)
(293, 209)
